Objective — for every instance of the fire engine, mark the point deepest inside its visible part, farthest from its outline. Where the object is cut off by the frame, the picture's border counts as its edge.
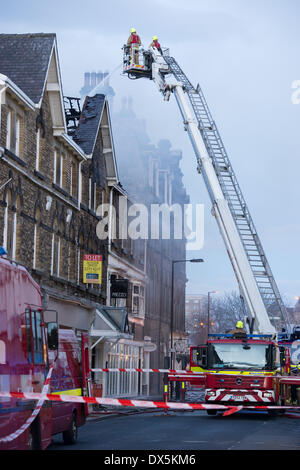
(36, 357)
(241, 370)
(236, 370)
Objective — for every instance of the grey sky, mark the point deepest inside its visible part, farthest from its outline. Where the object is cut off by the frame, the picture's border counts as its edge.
(244, 54)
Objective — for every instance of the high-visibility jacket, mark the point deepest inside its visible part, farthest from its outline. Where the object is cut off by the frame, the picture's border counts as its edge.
(134, 39)
(156, 44)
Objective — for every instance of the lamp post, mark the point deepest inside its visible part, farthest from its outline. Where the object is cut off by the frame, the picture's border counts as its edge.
(172, 300)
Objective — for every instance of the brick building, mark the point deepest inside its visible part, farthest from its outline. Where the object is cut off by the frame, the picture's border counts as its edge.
(52, 183)
(45, 221)
(154, 178)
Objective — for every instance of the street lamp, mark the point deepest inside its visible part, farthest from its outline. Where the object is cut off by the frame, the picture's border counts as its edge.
(172, 299)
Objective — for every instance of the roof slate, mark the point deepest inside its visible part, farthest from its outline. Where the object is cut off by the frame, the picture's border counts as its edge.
(24, 58)
(86, 132)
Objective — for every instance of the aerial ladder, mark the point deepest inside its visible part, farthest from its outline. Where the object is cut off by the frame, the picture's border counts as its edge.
(266, 311)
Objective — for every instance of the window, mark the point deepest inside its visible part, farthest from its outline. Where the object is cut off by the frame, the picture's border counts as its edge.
(34, 335)
(94, 197)
(56, 249)
(36, 241)
(90, 193)
(2, 352)
(138, 294)
(14, 128)
(72, 262)
(39, 148)
(74, 180)
(84, 188)
(59, 168)
(240, 356)
(12, 228)
(80, 259)
(8, 234)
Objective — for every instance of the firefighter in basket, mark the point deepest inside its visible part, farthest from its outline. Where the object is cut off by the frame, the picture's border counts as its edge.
(133, 44)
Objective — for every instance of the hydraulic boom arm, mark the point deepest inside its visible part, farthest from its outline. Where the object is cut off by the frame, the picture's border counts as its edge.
(256, 282)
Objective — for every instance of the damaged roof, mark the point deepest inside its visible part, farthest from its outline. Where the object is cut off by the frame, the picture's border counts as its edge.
(24, 59)
(86, 133)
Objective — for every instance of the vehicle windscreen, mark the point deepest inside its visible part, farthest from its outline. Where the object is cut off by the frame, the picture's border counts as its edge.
(240, 356)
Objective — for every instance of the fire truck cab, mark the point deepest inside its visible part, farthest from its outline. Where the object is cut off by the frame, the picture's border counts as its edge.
(238, 370)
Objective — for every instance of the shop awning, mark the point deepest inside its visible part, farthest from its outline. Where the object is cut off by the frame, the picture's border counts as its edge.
(110, 322)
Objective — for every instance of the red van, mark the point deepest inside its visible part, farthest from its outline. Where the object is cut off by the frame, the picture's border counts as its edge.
(28, 347)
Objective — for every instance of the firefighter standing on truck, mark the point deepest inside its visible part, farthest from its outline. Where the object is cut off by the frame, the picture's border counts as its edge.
(239, 330)
(156, 44)
(134, 42)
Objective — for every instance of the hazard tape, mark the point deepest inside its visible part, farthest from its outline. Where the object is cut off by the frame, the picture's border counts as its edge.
(160, 371)
(228, 409)
(15, 434)
(120, 402)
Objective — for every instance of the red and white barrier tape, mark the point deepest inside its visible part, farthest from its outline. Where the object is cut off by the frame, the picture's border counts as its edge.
(120, 402)
(160, 371)
(35, 412)
(229, 409)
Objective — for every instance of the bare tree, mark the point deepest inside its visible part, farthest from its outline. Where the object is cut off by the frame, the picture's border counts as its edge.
(226, 311)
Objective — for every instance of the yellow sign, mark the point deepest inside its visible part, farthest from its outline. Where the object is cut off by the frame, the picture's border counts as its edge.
(92, 269)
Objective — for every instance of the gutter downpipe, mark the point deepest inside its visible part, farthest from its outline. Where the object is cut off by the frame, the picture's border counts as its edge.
(109, 244)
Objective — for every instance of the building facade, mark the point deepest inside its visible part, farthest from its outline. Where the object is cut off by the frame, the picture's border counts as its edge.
(154, 179)
(52, 183)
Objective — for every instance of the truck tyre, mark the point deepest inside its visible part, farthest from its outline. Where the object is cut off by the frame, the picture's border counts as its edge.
(30, 440)
(212, 412)
(33, 440)
(70, 435)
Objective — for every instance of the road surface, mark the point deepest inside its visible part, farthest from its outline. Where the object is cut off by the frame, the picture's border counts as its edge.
(187, 431)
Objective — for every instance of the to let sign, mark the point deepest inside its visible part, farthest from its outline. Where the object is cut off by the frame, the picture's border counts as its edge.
(92, 269)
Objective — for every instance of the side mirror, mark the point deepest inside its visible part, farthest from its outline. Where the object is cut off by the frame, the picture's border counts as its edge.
(52, 331)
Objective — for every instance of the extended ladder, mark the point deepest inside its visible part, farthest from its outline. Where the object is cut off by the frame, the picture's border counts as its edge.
(248, 234)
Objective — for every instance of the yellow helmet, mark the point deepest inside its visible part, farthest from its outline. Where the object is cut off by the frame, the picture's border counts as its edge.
(240, 324)
(133, 30)
(154, 38)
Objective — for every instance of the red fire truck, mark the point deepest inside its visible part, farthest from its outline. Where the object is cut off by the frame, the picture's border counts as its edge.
(239, 371)
(30, 351)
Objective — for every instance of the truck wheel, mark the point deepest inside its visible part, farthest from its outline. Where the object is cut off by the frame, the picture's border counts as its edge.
(70, 435)
(212, 412)
(33, 439)
(273, 413)
(30, 440)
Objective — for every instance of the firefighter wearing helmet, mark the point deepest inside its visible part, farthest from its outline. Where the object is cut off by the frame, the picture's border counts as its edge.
(156, 44)
(239, 330)
(134, 42)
